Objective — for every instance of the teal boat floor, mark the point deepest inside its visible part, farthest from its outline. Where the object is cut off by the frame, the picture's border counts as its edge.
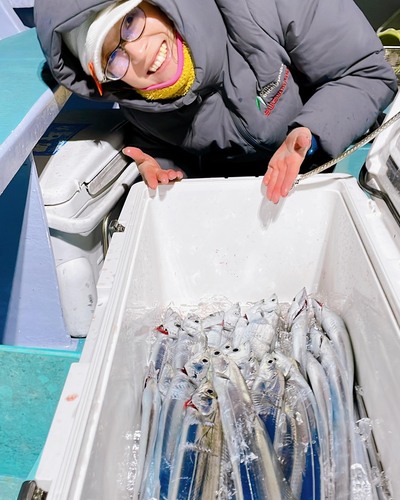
(31, 382)
(10, 486)
(353, 163)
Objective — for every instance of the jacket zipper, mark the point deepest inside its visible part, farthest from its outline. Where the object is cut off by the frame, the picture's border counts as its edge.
(251, 141)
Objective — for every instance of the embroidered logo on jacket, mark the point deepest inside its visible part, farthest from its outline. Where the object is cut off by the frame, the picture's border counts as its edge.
(266, 91)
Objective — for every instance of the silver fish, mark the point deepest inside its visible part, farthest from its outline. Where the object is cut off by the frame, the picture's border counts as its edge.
(167, 374)
(361, 477)
(213, 319)
(171, 419)
(231, 317)
(226, 347)
(342, 444)
(306, 474)
(262, 336)
(226, 487)
(239, 332)
(257, 472)
(159, 350)
(241, 353)
(197, 367)
(187, 346)
(267, 393)
(320, 387)
(334, 327)
(214, 335)
(298, 324)
(196, 467)
(314, 343)
(265, 307)
(254, 312)
(192, 324)
(151, 407)
(254, 366)
(172, 322)
(271, 305)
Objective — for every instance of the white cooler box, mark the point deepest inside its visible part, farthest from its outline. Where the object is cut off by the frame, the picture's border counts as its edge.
(209, 238)
(83, 176)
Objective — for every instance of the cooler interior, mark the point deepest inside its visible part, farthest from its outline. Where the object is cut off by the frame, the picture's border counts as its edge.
(205, 239)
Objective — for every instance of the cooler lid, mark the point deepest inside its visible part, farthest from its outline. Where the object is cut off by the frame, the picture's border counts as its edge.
(383, 164)
(75, 149)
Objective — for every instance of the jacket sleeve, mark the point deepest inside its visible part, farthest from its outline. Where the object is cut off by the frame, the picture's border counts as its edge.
(341, 63)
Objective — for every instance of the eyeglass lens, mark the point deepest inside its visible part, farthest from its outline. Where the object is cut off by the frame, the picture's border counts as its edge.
(131, 29)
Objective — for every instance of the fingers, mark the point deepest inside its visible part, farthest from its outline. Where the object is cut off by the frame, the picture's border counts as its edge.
(280, 177)
(150, 169)
(275, 182)
(136, 154)
(165, 176)
(285, 163)
(150, 177)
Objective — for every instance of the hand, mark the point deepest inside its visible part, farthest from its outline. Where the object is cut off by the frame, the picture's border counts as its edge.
(149, 168)
(285, 164)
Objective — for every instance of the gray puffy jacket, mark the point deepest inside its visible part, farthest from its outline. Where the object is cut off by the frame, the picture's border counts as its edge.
(316, 63)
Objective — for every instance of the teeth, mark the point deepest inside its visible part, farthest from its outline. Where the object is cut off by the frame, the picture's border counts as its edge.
(161, 56)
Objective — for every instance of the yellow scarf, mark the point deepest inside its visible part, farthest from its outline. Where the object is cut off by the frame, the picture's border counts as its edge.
(179, 88)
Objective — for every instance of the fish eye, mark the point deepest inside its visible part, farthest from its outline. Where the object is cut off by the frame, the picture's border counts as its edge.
(270, 361)
(217, 353)
(205, 360)
(196, 321)
(210, 391)
(227, 346)
(235, 349)
(178, 325)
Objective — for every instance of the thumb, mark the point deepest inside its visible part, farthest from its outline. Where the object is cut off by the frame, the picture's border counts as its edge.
(303, 141)
(136, 154)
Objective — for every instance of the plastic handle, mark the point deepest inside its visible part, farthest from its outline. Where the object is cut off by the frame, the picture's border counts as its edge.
(86, 224)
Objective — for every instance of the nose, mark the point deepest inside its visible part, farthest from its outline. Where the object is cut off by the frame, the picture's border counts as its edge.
(137, 50)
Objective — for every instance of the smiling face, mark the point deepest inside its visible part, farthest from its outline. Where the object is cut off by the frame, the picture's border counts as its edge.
(153, 56)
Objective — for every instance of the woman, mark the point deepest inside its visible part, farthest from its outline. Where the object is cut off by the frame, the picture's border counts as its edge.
(223, 86)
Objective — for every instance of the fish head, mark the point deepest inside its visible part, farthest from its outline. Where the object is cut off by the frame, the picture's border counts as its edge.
(172, 322)
(271, 305)
(298, 305)
(219, 362)
(317, 307)
(284, 363)
(269, 376)
(151, 373)
(192, 324)
(197, 367)
(213, 319)
(255, 310)
(226, 348)
(268, 366)
(204, 399)
(232, 316)
(240, 353)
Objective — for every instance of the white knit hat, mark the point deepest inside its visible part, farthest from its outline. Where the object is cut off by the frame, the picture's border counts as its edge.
(86, 41)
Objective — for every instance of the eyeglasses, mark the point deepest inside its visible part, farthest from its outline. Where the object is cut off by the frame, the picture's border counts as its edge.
(132, 28)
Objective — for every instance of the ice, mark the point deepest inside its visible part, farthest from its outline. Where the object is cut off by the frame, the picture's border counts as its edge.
(361, 488)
